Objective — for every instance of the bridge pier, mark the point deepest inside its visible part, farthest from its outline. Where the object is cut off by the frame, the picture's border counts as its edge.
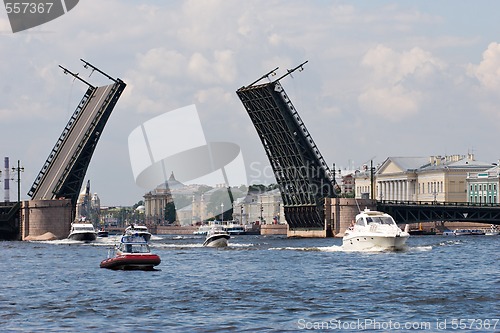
(341, 212)
(39, 217)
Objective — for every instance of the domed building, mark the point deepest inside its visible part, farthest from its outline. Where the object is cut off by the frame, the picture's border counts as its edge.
(156, 201)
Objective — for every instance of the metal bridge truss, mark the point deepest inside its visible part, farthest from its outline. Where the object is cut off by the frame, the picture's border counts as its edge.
(411, 212)
(302, 175)
(63, 172)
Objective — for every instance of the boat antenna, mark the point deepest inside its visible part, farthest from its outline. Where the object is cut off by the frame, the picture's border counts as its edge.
(357, 204)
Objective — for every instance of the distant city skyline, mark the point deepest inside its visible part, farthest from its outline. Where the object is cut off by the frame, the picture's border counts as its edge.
(383, 78)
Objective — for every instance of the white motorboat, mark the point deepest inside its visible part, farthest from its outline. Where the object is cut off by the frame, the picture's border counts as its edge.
(234, 229)
(493, 231)
(82, 231)
(138, 230)
(469, 232)
(216, 237)
(202, 230)
(374, 230)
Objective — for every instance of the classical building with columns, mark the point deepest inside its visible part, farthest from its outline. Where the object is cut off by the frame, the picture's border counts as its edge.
(434, 178)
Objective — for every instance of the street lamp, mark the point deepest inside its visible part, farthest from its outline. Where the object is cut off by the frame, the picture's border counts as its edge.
(222, 212)
(19, 169)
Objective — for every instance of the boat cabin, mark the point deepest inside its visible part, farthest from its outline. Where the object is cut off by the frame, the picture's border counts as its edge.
(371, 217)
(133, 244)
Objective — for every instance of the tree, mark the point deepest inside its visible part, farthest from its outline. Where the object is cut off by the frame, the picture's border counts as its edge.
(170, 212)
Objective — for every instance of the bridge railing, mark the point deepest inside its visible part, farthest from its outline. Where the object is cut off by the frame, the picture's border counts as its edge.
(60, 141)
(438, 203)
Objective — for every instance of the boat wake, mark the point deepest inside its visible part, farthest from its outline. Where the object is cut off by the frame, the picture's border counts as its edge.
(336, 248)
(198, 245)
(98, 242)
(175, 246)
(333, 248)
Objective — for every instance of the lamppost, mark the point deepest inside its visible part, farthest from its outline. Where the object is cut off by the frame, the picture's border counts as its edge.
(222, 212)
(19, 169)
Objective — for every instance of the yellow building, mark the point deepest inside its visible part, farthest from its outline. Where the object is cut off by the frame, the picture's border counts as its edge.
(432, 179)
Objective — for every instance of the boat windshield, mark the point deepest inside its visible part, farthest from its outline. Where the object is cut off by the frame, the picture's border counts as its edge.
(83, 228)
(134, 248)
(379, 220)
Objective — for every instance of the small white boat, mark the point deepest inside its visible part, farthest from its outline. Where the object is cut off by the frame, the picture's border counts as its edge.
(202, 230)
(468, 232)
(216, 237)
(374, 230)
(234, 229)
(493, 231)
(138, 230)
(82, 231)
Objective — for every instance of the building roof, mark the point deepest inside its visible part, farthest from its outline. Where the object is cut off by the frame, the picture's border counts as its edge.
(409, 163)
(462, 163)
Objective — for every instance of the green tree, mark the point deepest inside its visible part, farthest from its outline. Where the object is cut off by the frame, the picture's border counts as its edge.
(170, 212)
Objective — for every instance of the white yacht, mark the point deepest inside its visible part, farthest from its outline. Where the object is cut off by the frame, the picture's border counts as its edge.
(138, 230)
(374, 230)
(82, 231)
(216, 237)
(234, 229)
(203, 229)
(493, 231)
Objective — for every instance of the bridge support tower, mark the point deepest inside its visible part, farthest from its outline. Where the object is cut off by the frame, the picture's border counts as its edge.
(341, 212)
(46, 219)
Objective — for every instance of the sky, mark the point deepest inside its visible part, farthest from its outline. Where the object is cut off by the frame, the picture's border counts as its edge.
(383, 78)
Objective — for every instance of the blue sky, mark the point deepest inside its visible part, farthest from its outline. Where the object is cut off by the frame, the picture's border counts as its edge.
(384, 78)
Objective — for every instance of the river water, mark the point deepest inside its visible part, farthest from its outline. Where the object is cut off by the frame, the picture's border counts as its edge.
(257, 284)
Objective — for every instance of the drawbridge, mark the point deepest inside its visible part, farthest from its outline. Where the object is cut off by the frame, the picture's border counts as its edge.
(63, 172)
(301, 172)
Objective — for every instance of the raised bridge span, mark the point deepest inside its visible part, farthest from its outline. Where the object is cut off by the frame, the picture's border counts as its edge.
(63, 172)
(301, 172)
(303, 175)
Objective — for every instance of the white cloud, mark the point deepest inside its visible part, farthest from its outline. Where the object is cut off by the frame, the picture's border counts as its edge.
(391, 66)
(488, 70)
(393, 103)
(397, 81)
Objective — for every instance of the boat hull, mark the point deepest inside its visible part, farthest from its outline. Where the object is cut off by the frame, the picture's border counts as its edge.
(144, 262)
(374, 242)
(217, 241)
(83, 236)
(102, 233)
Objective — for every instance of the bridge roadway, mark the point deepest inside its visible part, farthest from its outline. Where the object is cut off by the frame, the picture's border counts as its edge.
(425, 211)
(46, 189)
